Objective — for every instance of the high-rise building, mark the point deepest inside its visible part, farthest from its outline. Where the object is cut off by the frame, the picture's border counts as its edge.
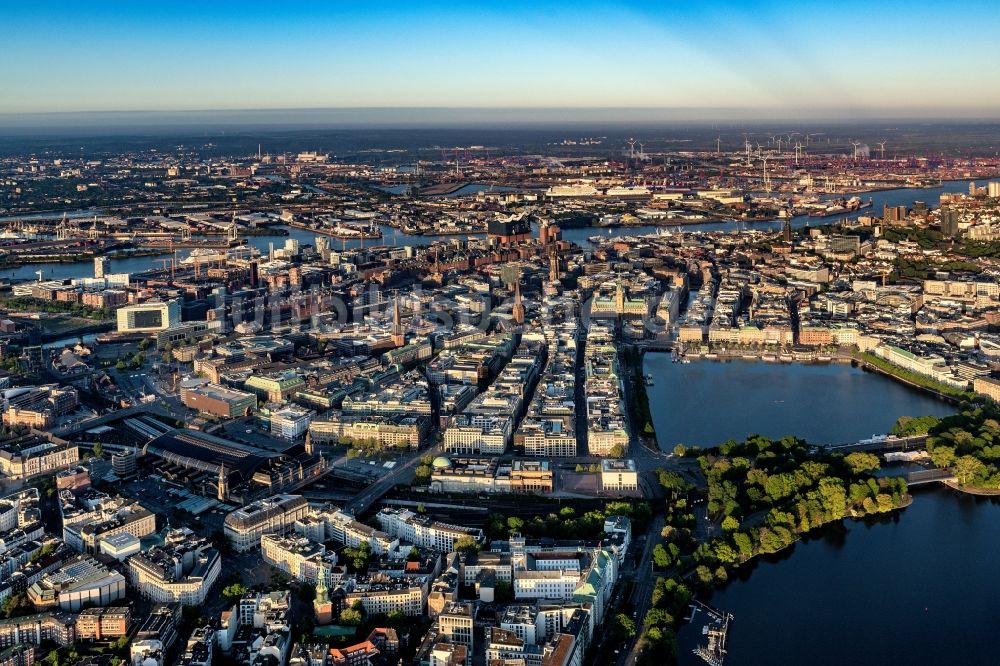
(152, 316)
(993, 190)
(102, 265)
(949, 222)
(894, 214)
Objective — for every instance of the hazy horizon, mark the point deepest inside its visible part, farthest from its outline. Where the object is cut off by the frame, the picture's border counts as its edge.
(360, 118)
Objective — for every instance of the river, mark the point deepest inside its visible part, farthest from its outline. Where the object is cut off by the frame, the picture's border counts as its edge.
(898, 197)
(913, 588)
(707, 402)
(64, 271)
(391, 236)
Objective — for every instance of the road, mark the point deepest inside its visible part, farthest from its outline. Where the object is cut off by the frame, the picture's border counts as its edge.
(402, 473)
(642, 590)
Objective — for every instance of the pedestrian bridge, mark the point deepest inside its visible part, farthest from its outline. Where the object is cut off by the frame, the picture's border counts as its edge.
(927, 476)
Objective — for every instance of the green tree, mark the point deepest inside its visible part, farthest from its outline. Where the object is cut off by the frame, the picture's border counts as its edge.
(98, 450)
(861, 463)
(422, 475)
(467, 545)
(617, 451)
(673, 481)
(15, 604)
(969, 471)
(943, 456)
(351, 617)
(730, 524)
(234, 592)
(623, 627)
(359, 556)
(413, 555)
(514, 524)
(661, 558)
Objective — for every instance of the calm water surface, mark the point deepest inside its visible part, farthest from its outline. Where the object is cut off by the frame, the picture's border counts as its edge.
(915, 588)
(707, 402)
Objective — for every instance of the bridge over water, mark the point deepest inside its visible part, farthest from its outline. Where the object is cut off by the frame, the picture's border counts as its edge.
(879, 444)
(928, 476)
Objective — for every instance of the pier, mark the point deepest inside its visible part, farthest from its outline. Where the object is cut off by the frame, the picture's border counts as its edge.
(713, 652)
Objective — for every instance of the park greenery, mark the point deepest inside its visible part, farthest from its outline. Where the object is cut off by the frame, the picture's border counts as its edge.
(357, 557)
(466, 545)
(422, 474)
(566, 524)
(909, 426)
(762, 496)
(234, 592)
(912, 377)
(777, 490)
(21, 304)
(968, 443)
(370, 448)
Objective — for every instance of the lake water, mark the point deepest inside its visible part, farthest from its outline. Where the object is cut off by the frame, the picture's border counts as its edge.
(707, 402)
(912, 588)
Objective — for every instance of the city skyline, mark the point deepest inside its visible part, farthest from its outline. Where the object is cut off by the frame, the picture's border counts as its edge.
(590, 60)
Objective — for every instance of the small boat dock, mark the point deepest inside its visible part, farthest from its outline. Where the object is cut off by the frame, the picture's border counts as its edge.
(715, 630)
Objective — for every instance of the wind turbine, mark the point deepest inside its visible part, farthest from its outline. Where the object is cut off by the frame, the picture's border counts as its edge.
(631, 148)
(718, 145)
(855, 144)
(767, 181)
(881, 148)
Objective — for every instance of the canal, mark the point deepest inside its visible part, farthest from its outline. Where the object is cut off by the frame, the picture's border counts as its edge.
(704, 402)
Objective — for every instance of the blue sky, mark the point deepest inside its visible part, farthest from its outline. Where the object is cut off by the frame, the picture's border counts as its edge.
(782, 56)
